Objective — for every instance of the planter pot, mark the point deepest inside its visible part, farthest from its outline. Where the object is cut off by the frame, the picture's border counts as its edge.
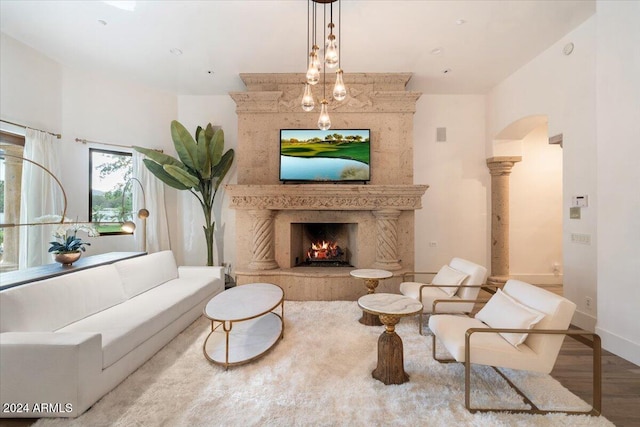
(67, 258)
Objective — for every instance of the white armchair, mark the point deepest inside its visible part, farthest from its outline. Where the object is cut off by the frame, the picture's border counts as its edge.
(521, 327)
(459, 281)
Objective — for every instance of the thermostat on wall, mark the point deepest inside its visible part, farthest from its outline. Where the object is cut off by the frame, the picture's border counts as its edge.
(580, 201)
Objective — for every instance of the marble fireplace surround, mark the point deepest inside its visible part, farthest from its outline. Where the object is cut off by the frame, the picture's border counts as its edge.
(382, 210)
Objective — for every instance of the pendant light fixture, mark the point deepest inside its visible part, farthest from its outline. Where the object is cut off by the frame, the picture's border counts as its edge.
(331, 59)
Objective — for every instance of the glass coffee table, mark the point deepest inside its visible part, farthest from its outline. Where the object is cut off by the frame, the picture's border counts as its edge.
(244, 325)
(390, 308)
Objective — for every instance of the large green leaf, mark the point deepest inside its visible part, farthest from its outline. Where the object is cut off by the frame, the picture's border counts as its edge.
(204, 161)
(221, 169)
(186, 147)
(159, 157)
(182, 175)
(158, 171)
(217, 146)
(209, 131)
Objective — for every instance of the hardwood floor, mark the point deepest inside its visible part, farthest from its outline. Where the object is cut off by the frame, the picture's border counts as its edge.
(620, 382)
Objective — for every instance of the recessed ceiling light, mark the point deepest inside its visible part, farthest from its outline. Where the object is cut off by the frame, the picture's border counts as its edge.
(460, 21)
(102, 21)
(436, 51)
(176, 51)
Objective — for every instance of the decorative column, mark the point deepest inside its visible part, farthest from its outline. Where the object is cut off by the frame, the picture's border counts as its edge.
(387, 239)
(262, 251)
(500, 169)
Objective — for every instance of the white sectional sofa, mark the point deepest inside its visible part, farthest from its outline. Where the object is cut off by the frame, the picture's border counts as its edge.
(67, 341)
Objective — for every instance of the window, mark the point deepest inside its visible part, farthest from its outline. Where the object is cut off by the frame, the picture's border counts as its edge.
(109, 173)
(10, 183)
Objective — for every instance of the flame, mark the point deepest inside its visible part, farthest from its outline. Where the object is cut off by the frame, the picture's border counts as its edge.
(323, 250)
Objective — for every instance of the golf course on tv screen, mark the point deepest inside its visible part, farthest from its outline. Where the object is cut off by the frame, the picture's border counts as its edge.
(331, 155)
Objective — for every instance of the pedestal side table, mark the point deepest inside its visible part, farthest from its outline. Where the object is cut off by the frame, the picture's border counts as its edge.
(371, 279)
(390, 308)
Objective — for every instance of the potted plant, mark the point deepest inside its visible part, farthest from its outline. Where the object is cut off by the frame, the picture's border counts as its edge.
(68, 247)
(200, 169)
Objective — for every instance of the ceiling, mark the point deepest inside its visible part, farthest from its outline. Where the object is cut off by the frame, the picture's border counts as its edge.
(221, 38)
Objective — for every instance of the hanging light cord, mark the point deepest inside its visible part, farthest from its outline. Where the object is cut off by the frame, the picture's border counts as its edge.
(324, 66)
(308, 30)
(339, 35)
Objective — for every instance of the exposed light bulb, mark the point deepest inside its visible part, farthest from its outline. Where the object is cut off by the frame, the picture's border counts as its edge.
(324, 122)
(313, 74)
(307, 98)
(316, 57)
(331, 57)
(339, 89)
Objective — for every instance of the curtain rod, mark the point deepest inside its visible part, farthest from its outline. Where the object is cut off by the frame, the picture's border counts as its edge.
(86, 141)
(57, 135)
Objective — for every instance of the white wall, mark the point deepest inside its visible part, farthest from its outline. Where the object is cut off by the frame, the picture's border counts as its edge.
(618, 123)
(562, 88)
(535, 216)
(454, 208)
(31, 87)
(100, 109)
(197, 111)
(39, 92)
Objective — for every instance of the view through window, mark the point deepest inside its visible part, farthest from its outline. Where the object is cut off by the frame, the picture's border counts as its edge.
(109, 201)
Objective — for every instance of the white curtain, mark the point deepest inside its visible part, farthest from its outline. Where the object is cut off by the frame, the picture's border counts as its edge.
(40, 195)
(157, 229)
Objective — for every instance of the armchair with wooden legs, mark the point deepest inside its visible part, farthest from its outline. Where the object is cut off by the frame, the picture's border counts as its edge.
(459, 280)
(521, 327)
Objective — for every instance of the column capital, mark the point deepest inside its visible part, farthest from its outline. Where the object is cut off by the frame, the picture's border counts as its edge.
(502, 165)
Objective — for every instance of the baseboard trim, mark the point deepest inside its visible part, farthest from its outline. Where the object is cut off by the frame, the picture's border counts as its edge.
(539, 279)
(584, 321)
(620, 346)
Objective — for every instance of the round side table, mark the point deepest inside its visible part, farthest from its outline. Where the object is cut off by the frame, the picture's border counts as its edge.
(390, 308)
(371, 279)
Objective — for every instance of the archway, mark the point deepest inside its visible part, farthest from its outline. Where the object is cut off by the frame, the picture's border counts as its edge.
(526, 204)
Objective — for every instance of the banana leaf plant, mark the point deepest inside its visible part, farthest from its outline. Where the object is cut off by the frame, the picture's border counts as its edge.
(200, 169)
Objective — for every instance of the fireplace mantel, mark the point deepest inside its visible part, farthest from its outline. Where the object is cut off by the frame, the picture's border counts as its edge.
(380, 215)
(326, 197)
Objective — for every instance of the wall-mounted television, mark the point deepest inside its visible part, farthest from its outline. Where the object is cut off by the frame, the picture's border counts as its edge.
(335, 155)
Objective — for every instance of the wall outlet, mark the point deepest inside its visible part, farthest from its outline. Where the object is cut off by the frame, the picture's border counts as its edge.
(588, 302)
(433, 244)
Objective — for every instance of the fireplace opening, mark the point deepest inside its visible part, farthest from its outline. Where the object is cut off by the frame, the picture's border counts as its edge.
(324, 245)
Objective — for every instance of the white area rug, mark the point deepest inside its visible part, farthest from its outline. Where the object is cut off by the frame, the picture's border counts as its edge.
(318, 375)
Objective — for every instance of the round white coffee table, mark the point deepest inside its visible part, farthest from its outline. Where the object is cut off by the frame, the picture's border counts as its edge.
(390, 308)
(371, 279)
(243, 324)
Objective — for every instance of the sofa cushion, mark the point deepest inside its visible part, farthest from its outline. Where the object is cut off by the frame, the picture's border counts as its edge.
(145, 272)
(127, 325)
(47, 305)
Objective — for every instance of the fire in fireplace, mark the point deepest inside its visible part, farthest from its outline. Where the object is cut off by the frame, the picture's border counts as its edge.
(323, 247)
(325, 251)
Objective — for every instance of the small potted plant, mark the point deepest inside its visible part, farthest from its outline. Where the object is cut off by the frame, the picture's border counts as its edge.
(68, 247)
